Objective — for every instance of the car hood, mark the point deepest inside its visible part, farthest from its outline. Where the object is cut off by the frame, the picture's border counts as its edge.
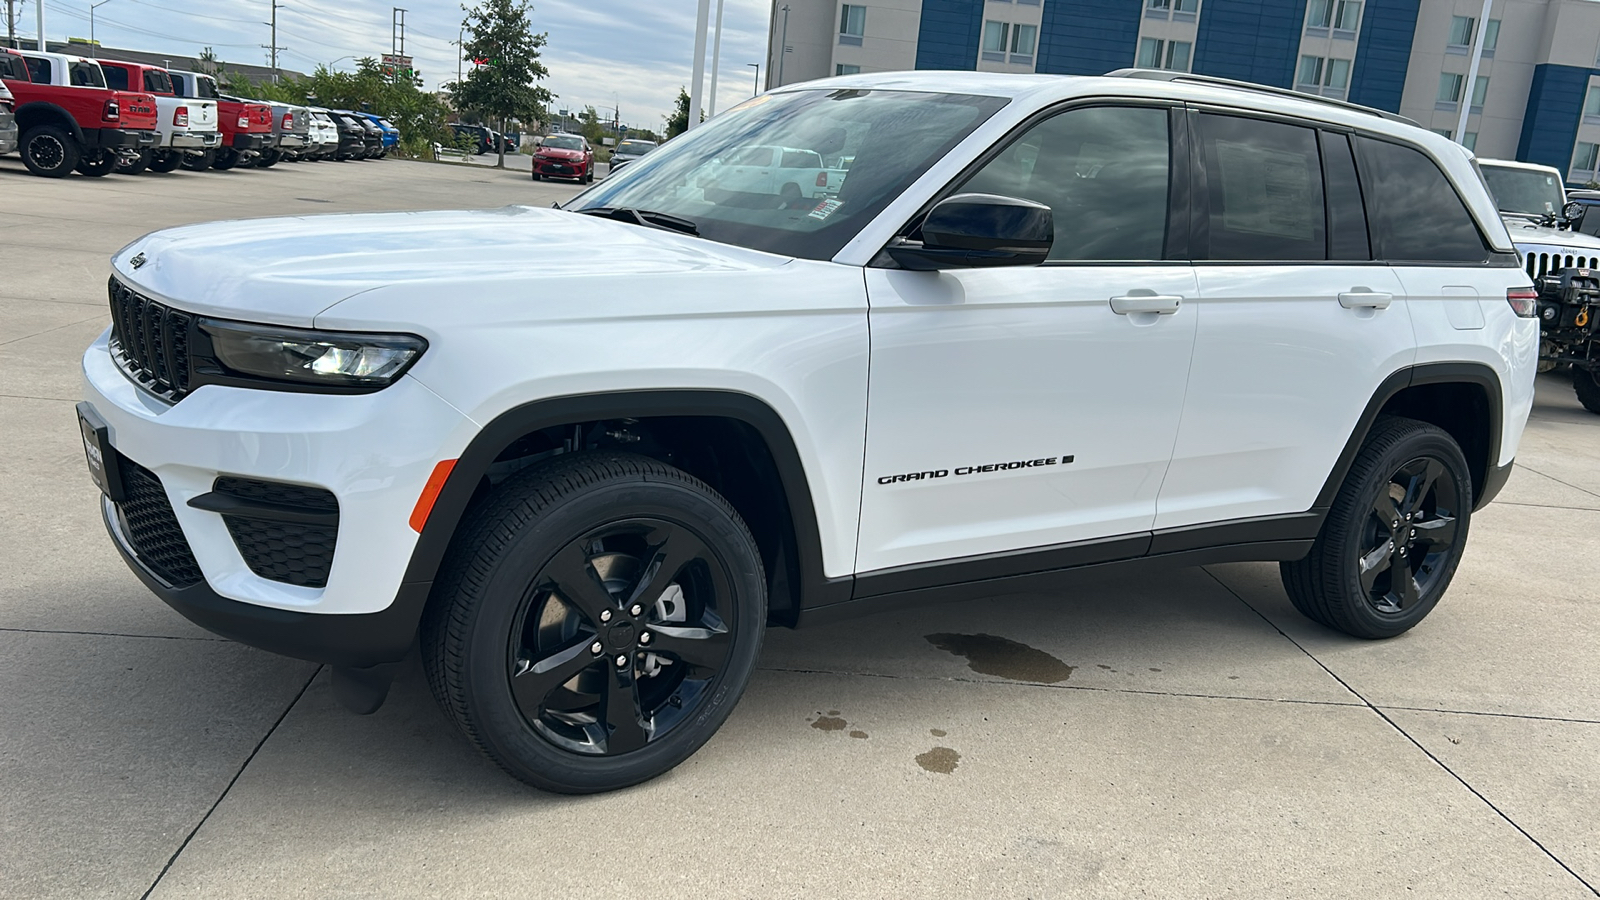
(559, 153)
(288, 270)
(1526, 231)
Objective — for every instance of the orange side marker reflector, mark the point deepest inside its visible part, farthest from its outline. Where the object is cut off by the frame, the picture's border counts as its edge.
(430, 494)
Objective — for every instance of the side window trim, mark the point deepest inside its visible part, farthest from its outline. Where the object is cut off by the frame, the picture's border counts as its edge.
(1328, 138)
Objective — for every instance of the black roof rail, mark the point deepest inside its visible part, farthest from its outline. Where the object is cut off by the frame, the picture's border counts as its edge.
(1213, 81)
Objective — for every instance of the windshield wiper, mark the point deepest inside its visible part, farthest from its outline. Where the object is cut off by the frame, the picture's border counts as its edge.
(645, 217)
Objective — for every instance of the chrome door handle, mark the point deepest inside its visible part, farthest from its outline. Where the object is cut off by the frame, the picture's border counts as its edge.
(1162, 304)
(1363, 299)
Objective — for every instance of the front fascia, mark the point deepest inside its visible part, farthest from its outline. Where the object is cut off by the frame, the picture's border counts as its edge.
(791, 334)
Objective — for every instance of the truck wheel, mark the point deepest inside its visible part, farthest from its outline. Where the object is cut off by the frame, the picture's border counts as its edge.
(98, 164)
(268, 159)
(165, 161)
(49, 151)
(137, 166)
(225, 159)
(199, 162)
(1588, 388)
(597, 622)
(790, 195)
(1393, 537)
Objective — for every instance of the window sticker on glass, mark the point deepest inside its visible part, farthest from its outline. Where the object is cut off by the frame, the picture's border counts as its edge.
(1266, 191)
(826, 208)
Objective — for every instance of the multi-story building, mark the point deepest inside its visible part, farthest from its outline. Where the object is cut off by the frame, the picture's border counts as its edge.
(1536, 95)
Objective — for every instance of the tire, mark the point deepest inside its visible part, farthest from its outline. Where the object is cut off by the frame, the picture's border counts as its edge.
(200, 163)
(164, 161)
(268, 159)
(1348, 581)
(98, 165)
(1587, 388)
(138, 166)
(522, 590)
(225, 159)
(49, 151)
(789, 195)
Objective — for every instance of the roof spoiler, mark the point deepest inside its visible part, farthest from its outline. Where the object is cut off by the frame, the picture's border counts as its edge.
(1212, 81)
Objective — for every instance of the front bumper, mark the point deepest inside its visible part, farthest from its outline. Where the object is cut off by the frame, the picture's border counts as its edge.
(197, 140)
(374, 452)
(559, 168)
(247, 141)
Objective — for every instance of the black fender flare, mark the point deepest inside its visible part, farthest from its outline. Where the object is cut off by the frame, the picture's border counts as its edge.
(46, 109)
(1479, 374)
(449, 508)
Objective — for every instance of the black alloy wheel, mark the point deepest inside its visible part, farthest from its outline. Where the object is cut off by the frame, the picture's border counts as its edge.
(164, 161)
(598, 620)
(199, 162)
(98, 163)
(1393, 537)
(226, 158)
(49, 151)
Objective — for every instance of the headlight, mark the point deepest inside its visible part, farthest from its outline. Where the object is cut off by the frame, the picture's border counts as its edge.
(305, 356)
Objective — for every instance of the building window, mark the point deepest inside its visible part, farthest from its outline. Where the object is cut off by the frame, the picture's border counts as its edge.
(1450, 87)
(1491, 35)
(852, 21)
(1461, 31)
(1480, 89)
(1585, 160)
(1340, 15)
(1319, 13)
(1158, 54)
(1442, 132)
(1347, 15)
(995, 37)
(1023, 37)
(1591, 102)
(1470, 141)
(842, 69)
(1323, 76)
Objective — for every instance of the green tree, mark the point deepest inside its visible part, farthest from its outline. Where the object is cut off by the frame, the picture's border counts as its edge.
(420, 116)
(678, 122)
(506, 68)
(208, 61)
(589, 123)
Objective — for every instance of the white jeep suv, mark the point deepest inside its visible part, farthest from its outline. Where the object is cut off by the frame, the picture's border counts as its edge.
(588, 454)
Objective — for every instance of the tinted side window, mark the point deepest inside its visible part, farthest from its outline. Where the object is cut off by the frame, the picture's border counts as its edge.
(116, 77)
(1263, 196)
(1104, 173)
(86, 75)
(1347, 218)
(1415, 213)
(38, 70)
(14, 68)
(158, 83)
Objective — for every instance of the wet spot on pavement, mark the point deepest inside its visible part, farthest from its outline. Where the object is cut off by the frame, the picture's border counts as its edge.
(991, 655)
(859, 734)
(939, 760)
(937, 732)
(828, 723)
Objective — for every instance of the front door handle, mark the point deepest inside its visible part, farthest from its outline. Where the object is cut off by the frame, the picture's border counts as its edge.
(1361, 298)
(1137, 302)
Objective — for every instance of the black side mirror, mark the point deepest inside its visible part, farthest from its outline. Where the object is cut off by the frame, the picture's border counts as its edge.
(1573, 213)
(978, 230)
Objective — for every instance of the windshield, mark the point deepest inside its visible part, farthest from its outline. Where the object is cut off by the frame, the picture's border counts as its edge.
(635, 148)
(1527, 191)
(562, 143)
(768, 173)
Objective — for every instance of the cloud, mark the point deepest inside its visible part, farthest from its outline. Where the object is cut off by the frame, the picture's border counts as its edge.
(630, 53)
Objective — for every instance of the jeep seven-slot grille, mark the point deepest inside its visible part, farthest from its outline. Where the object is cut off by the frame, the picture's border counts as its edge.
(276, 549)
(150, 342)
(152, 529)
(1538, 264)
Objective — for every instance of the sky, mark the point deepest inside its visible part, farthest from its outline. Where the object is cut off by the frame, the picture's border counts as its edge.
(631, 53)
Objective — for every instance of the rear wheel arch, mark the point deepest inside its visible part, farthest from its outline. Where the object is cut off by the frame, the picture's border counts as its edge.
(1463, 398)
(734, 442)
(39, 112)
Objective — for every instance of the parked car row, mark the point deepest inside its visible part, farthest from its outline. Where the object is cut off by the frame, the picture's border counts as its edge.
(485, 140)
(69, 113)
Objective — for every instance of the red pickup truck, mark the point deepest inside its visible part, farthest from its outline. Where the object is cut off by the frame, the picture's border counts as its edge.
(187, 126)
(70, 120)
(246, 126)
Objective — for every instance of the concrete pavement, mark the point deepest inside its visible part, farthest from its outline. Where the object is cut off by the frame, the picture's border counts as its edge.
(1179, 734)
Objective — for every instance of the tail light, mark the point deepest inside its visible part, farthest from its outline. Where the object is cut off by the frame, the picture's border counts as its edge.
(180, 117)
(112, 112)
(822, 179)
(244, 121)
(1524, 301)
(288, 121)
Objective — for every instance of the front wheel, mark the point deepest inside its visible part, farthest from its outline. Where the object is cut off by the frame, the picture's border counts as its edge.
(597, 623)
(1392, 539)
(1587, 387)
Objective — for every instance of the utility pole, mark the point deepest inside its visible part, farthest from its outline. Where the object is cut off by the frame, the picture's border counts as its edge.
(1470, 88)
(93, 44)
(716, 57)
(783, 47)
(756, 87)
(40, 5)
(697, 89)
(11, 23)
(273, 48)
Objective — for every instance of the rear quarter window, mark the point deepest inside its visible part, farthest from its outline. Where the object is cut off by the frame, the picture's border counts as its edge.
(116, 78)
(13, 68)
(158, 83)
(39, 70)
(1413, 211)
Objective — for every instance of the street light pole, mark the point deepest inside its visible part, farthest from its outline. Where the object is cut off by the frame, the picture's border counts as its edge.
(783, 45)
(716, 57)
(697, 89)
(40, 8)
(755, 88)
(94, 48)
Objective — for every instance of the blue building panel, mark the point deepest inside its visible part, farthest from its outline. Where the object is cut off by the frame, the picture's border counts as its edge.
(1555, 107)
(1081, 37)
(1251, 40)
(949, 34)
(1378, 77)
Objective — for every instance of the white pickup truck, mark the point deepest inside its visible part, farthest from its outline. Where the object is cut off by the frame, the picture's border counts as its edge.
(188, 125)
(790, 173)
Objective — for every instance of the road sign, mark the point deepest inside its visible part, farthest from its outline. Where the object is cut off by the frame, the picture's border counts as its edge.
(397, 61)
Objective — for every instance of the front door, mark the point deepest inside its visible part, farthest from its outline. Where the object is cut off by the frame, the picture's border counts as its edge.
(1020, 408)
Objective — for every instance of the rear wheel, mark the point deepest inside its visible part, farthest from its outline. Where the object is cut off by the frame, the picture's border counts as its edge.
(1587, 387)
(164, 161)
(1394, 535)
(199, 162)
(98, 163)
(268, 159)
(49, 151)
(137, 165)
(598, 622)
(225, 158)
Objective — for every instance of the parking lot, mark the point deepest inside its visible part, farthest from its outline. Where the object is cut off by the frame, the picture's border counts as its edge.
(1180, 734)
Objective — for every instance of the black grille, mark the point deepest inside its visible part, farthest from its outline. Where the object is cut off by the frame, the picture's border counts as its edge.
(150, 341)
(152, 529)
(298, 553)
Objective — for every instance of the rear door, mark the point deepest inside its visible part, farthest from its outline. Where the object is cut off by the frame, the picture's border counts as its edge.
(1298, 325)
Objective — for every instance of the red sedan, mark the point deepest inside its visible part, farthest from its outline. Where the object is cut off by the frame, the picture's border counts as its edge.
(564, 156)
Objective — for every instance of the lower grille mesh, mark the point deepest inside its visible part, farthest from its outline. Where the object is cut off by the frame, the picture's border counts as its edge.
(152, 528)
(298, 553)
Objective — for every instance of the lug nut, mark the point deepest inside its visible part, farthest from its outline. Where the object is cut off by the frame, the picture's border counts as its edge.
(597, 648)
(622, 661)
(635, 610)
(644, 638)
(605, 616)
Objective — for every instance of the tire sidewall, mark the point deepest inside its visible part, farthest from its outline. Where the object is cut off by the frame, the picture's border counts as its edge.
(488, 695)
(69, 152)
(1431, 443)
